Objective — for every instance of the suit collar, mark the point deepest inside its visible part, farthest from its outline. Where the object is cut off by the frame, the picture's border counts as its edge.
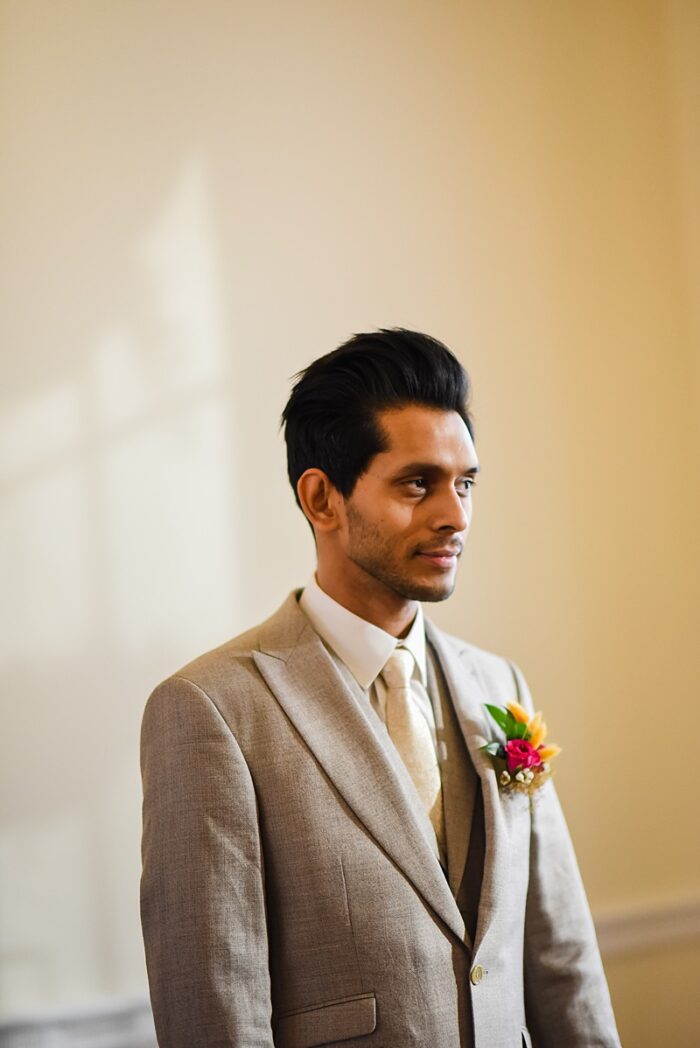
(278, 636)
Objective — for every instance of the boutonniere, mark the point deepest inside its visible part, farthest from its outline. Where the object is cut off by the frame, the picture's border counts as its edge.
(523, 761)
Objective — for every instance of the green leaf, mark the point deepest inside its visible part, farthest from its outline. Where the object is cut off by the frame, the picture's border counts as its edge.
(500, 716)
(492, 748)
(513, 727)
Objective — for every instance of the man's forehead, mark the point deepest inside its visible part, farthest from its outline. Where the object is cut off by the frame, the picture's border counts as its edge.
(415, 422)
(426, 435)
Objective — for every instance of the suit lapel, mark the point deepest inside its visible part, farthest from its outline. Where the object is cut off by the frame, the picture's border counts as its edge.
(456, 774)
(304, 680)
(468, 697)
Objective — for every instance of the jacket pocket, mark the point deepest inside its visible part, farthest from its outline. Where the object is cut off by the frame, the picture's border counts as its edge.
(328, 1023)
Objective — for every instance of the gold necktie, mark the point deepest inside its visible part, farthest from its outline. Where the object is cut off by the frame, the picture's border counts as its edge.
(413, 739)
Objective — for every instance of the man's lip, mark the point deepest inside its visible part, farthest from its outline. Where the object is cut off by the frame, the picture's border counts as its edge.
(455, 552)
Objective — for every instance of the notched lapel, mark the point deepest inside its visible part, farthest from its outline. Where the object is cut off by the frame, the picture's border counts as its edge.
(306, 683)
(468, 697)
(457, 784)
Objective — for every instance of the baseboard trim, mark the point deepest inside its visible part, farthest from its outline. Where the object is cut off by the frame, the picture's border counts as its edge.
(643, 927)
(106, 1024)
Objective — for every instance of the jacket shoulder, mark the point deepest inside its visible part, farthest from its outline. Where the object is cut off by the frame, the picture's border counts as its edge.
(230, 668)
(228, 662)
(471, 651)
(499, 675)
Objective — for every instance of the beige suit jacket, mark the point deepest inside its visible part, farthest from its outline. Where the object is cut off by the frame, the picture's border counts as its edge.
(290, 895)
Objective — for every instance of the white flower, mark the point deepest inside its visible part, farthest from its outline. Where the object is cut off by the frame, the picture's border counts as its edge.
(505, 778)
(520, 776)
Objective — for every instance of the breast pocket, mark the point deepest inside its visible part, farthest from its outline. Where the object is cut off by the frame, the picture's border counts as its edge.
(327, 1023)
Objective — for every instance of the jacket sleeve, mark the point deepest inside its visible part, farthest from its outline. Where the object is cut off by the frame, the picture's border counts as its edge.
(566, 994)
(202, 891)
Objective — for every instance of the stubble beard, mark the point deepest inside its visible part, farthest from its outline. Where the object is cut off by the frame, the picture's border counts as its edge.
(372, 552)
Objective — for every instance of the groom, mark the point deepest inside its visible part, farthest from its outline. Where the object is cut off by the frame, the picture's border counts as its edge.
(328, 856)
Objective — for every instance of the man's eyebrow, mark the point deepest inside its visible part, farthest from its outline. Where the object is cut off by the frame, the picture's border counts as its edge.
(432, 467)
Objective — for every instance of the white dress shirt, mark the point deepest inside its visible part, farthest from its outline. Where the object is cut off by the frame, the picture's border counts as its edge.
(365, 648)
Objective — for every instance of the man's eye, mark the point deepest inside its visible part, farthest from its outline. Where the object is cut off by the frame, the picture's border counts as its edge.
(419, 483)
(466, 484)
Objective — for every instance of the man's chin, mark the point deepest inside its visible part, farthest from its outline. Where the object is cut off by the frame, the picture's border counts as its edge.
(430, 592)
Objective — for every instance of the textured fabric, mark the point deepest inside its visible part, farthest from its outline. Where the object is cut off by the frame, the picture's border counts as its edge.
(464, 824)
(411, 735)
(290, 895)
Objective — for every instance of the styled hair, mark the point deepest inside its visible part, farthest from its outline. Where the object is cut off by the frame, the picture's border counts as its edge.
(330, 420)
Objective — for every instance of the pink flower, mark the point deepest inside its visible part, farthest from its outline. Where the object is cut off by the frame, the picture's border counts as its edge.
(521, 754)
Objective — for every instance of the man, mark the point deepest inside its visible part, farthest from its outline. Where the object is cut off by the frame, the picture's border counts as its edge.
(327, 854)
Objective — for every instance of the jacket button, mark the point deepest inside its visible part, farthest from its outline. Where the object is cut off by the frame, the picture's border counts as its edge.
(476, 974)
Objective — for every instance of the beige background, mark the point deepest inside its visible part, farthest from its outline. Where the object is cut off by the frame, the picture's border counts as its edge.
(195, 201)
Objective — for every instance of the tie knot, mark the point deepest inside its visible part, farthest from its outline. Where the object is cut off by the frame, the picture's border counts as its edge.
(398, 669)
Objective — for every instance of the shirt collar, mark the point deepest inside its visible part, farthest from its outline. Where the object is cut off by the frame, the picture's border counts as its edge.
(363, 647)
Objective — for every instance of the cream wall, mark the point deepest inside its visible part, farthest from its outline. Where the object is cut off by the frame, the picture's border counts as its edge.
(195, 201)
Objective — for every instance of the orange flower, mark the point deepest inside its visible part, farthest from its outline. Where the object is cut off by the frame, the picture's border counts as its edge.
(519, 712)
(548, 753)
(537, 730)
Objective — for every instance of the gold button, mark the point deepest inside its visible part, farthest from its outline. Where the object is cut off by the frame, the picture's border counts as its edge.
(476, 974)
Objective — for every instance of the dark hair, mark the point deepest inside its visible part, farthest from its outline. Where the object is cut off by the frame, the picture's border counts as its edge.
(330, 418)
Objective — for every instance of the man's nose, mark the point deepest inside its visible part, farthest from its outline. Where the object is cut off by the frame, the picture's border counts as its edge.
(451, 511)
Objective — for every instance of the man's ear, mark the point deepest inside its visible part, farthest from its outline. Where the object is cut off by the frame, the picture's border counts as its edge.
(320, 500)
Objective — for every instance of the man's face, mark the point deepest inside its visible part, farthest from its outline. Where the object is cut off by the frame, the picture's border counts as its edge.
(408, 515)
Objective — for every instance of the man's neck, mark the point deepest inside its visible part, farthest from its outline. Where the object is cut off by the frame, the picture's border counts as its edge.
(371, 601)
